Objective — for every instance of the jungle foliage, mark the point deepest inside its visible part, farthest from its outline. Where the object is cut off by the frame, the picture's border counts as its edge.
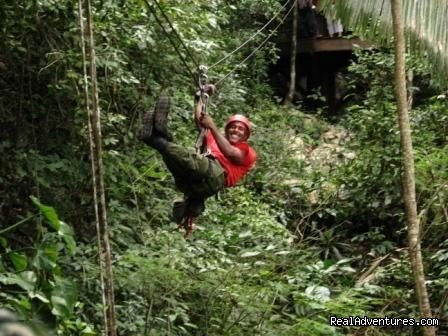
(316, 230)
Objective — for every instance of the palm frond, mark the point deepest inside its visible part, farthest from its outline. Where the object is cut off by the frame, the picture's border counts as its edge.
(425, 23)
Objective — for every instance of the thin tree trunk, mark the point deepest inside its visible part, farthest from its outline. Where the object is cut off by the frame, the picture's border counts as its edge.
(98, 180)
(409, 171)
(292, 78)
(92, 158)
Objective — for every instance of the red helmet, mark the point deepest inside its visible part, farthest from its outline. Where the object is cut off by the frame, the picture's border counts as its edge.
(241, 119)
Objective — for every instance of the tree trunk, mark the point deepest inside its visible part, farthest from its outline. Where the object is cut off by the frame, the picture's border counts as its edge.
(99, 197)
(92, 157)
(292, 78)
(409, 171)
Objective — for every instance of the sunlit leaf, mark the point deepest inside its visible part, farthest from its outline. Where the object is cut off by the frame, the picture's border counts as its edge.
(250, 254)
(20, 261)
(63, 297)
(48, 212)
(25, 280)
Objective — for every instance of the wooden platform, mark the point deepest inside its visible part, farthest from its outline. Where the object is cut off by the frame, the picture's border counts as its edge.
(330, 44)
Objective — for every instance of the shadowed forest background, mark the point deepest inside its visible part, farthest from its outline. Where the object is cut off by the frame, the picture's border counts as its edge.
(317, 229)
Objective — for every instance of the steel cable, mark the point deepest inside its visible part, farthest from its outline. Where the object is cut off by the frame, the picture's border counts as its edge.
(177, 34)
(259, 46)
(171, 40)
(252, 37)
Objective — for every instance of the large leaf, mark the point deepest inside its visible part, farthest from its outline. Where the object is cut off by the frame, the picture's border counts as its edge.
(424, 23)
(46, 258)
(19, 261)
(25, 280)
(318, 293)
(250, 254)
(67, 235)
(63, 229)
(48, 212)
(63, 297)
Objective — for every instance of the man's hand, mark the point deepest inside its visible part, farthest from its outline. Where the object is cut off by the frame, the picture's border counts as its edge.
(207, 121)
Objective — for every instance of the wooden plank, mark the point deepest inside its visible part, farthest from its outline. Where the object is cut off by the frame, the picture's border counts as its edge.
(330, 44)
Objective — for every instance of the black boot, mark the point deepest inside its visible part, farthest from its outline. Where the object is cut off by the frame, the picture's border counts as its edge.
(178, 212)
(148, 125)
(161, 111)
(195, 206)
(150, 136)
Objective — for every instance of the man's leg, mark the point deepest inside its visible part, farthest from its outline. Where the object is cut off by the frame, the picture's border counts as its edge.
(185, 163)
(196, 176)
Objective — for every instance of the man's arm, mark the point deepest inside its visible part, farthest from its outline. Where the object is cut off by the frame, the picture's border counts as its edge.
(197, 114)
(233, 153)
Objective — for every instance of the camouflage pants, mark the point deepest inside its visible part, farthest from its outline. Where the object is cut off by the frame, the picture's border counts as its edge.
(198, 177)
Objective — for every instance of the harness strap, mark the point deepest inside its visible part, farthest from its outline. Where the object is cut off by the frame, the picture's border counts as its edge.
(200, 141)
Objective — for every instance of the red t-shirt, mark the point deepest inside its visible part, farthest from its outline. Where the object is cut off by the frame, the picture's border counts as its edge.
(234, 171)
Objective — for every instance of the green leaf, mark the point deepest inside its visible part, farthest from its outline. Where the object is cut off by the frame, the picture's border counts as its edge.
(282, 252)
(19, 261)
(63, 297)
(70, 243)
(40, 296)
(88, 331)
(48, 212)
(245, 234)
(3, 242)
(250, 254)
(46, 258)
(25, 280)
(319, 293)
(67, 235)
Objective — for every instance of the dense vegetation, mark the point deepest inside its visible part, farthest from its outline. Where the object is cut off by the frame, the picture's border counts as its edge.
(317, 229)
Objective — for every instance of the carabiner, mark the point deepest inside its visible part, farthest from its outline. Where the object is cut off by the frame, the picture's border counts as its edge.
(202, 76)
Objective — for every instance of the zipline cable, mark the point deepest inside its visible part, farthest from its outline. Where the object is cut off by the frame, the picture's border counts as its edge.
(259, 46)
(182, 58)
(176, 33)
(252, 37)
(171, 40)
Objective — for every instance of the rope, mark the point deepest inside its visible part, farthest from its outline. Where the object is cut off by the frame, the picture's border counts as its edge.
(256, 49)
(171, 40)
(252, 37)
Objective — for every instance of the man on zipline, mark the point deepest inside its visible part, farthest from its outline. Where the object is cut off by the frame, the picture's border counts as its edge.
(227, 159)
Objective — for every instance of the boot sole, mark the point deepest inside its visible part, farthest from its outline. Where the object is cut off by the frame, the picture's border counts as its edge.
(161, 111)
(148, 121)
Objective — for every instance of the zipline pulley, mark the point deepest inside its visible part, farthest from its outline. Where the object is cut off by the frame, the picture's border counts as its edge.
(202, 82)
